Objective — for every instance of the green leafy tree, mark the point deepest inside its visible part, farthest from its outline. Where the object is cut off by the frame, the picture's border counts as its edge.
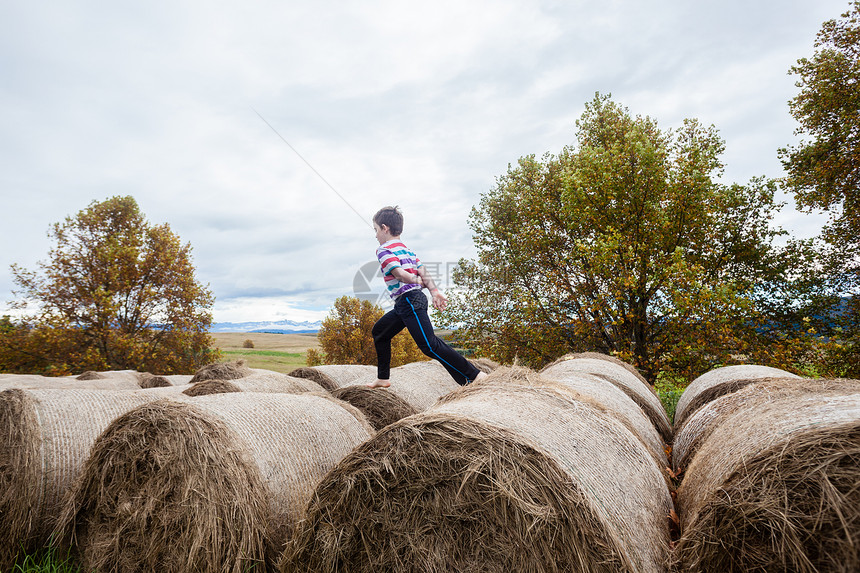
(624, 243)
(345, 336)
(116, 293)
(823, 171)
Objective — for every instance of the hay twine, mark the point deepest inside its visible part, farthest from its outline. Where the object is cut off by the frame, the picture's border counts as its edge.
(775, 485)
(511, 475)
(243, 466)
(720, 381)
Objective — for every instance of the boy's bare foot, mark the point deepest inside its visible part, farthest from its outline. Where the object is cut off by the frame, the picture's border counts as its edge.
(379, 384)
(481, 375)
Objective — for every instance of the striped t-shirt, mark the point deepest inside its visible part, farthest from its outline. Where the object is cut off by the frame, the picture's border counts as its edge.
(393, 254)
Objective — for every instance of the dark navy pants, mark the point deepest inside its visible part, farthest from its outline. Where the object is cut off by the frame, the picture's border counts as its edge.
(410, 312)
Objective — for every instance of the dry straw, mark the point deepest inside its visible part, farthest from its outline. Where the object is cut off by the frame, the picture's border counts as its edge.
(381, 408)
(776, 486)
(508, 474)
(625, 377)
(334, 376)
(720, 381)
(209, 484)
(45, 437)
(615, 400)
(257, 381)
(485, 364)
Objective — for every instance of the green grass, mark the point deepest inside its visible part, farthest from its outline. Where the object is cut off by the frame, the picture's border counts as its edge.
(45, 561)
(274, 360)
(669, 391)
(262, 353)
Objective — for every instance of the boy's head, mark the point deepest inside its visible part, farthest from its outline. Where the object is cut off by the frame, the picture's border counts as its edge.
(392, 218)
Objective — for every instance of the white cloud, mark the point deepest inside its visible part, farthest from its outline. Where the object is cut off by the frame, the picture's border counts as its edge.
(419, 105)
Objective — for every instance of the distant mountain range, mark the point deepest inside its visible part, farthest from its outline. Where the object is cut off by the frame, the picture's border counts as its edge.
(274, 327)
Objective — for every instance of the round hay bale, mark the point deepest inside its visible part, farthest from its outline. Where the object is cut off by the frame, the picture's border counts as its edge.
(490, 479)
(334, 376)
(207, 387)
(775, 486)
(720, 381)
(89, 375)
(609, 358)
(179, 379)
(380, 408)
(316, 375)
(487, 365)
(615, 400)
(697, 428)
(606, 367)
(242, 465)
(45, 437)
(221, 371)
(419, 384)
(148, 380)
(257, 381)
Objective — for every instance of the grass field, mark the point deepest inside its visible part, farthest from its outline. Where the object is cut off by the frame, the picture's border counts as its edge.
(278, 352)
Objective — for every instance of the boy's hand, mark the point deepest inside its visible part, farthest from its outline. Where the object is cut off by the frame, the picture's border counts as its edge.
(439, 299)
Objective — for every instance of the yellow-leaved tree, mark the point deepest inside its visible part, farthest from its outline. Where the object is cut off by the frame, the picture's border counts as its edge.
(117, 293)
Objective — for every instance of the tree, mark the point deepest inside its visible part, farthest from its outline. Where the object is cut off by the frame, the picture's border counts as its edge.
(824, 173)
(116, 293)
(345, 336)
(623, 244)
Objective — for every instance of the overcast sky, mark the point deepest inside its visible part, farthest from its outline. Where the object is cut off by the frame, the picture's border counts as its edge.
(422, 105)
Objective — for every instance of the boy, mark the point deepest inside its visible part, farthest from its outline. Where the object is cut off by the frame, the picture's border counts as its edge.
(405, 278)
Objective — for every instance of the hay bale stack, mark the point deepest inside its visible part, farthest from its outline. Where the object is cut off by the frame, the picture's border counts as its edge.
(334, 376)
(45, 437)
(419, 384)
(129, 376)
(523, 478)
(615, 400)
(720, 381)
(379, 407)
(125, 381)
(221, 371)
(625, 378)
(258, 381)
(776, 486)
(210, 484)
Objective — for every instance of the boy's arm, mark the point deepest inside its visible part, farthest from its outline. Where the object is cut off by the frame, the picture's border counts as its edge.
(405, 276)
(439, 299)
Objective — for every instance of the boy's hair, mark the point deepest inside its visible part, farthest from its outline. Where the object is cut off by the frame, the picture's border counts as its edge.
(392, 218)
